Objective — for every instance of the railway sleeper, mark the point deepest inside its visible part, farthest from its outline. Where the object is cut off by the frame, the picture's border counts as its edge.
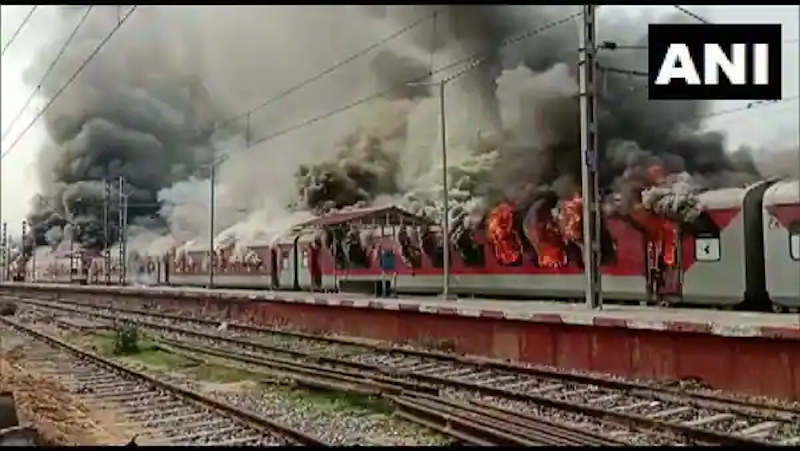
(163, 420)
(149, 409)
(544, 434)
(117, 396)
(168, 412)
(444, 430)
(670, 412)
(240, 441)
(459, 372)
(501, 379)
(476, 376)
(96, 388)
(705, 421)
(206, 433)
(606, 398)
(760, 429)
(518, 385)
(448, 421)
(528, 421)
(577, 392)
(545, 389)
(106, 393)
(151, 402)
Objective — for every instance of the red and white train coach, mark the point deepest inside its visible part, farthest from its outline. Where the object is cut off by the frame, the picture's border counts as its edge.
(781, 224)
(742, 249)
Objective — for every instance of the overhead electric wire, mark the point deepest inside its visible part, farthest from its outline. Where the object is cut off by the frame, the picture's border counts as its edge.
(19, 28)
(71, 79)
(47, 72)
(690, 14)
(751, 105)
(610, 45)
(327, 71)
(471, 58)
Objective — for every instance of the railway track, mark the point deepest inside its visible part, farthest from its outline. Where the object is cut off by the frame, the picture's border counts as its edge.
(696, 418)
(466, 423)
(162, 413)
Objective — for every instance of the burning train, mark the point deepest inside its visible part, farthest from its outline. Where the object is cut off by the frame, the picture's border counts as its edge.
(733, 247)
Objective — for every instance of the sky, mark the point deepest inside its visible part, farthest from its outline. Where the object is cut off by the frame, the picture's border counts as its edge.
(769, 127)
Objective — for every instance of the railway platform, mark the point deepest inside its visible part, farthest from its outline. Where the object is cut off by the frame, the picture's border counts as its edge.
(747, 352)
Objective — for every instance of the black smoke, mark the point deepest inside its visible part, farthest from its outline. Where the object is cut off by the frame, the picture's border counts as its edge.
(543, 148)
(132, 113)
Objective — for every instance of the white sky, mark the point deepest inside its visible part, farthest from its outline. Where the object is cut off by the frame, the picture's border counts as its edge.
(769, 126)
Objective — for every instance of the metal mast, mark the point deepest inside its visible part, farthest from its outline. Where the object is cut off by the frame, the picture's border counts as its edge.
(23, 260)
(3, 253)
(589, 158)
(123, 213)
(446, 219)
(211, 228)
(106, 231)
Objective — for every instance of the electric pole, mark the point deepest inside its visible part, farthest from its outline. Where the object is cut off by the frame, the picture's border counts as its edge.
(106, 231)
(213, 180)
(3, 252)
(587, 65)
(23, 260)
(445, 196)
(123, 224)
(211, 229)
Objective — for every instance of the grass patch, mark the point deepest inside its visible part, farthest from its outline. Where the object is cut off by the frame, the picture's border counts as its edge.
(148, 354)
(354, 404)
(221, 374)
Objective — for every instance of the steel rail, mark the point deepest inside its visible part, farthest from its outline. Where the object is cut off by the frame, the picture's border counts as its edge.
(628, 419)
(242, 415)
(766, 410)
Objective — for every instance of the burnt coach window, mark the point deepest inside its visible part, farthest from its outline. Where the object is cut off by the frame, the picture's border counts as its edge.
(707, 248)
(794, 244)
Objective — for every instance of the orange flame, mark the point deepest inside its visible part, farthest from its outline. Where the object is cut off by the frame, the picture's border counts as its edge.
(500, 231)
(570, 219)
(549, 244)
(658, 230)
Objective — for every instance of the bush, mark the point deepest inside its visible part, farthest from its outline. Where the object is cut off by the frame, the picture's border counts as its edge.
(7, 309)
(126, 340)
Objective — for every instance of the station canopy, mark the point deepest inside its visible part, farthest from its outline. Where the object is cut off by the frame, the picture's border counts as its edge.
(376, 216)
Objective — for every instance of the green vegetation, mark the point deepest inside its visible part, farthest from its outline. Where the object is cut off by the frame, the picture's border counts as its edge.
(221, 374)
(146, 352)
(7, 309)
(329, 401)
(126, 340)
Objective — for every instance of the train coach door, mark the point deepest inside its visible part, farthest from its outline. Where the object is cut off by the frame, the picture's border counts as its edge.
(273, 267)
(664, 266)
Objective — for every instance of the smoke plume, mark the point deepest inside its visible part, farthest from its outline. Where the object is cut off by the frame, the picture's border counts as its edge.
(140, 111)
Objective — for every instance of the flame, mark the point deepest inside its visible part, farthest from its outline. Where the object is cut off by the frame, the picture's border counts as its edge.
(658, 230)
(549, 244)
(500, 231)
(569, 219)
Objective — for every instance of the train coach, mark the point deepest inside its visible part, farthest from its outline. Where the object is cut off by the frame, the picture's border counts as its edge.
(741, 251)
(781, 225)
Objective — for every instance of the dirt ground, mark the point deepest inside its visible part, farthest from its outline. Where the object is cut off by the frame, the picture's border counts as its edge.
(60, 418)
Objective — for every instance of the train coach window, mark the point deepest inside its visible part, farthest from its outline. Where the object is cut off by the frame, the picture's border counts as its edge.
(794, 245)
(706, 249)
(285, 264)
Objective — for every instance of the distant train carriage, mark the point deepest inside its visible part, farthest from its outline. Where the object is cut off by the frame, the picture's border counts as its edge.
(781, 224)
(743, 248)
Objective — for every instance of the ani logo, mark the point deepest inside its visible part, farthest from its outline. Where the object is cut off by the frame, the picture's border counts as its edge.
(695, 62)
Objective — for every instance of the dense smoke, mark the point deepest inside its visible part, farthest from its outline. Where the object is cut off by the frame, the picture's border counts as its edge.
(514, 136)
(136, 112)
(139, 111)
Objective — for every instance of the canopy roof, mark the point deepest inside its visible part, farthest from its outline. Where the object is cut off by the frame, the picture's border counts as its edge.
(386, 216)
